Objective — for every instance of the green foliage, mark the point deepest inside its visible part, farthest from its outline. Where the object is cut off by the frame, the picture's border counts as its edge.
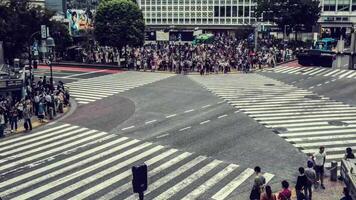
(119, 23)
(294, 13)
(18, 21)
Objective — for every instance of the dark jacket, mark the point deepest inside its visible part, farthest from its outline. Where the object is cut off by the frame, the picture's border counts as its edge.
(302, 181)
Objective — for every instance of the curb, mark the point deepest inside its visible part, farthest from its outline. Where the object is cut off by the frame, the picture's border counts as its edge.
(36, 124)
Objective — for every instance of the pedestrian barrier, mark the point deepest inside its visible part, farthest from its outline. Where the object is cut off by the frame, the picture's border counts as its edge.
(348, 174)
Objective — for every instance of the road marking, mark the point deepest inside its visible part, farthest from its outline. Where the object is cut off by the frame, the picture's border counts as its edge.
(220, 102)
(319, 85)
(327, 82)
(222, 116)
(228, 189)
(206, 106)
(237, 111)
(333, 80)
(161, 136)
(188, 180)
(204, 122)
(158, 183)
(151, 173)
(211, 182)
(74, 75)
(311, 87)
(293, 82)
(130, 127)
(186, 128)
(149, 122)
(188, 111)
(169, 116)
(95, 176)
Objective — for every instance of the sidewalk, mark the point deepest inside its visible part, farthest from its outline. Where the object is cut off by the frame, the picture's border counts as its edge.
(35, 123)
(333, 190)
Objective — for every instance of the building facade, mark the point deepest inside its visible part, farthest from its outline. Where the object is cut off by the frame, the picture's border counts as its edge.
(338, 17)
(205, 14)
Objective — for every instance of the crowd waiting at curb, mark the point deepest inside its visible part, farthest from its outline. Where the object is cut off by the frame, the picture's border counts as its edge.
(224, 54)
(310, 177)
(41, 100)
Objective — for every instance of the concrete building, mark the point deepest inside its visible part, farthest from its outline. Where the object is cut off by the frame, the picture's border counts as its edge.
(205, 14)
(338, 17)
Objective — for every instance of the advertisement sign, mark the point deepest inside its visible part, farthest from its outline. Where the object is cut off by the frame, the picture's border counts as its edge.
(43, 31)
(79, 20)
(162, 36)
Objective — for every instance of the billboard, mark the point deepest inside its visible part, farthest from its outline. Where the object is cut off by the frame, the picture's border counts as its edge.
(79, 21)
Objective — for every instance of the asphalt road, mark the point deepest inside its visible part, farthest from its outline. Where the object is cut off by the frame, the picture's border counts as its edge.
(168, 117)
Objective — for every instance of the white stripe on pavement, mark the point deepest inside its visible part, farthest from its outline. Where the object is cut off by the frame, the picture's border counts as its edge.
(229, 188)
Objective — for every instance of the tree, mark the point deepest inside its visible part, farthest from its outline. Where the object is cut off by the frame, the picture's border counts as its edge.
(19, 21)
(119, 23)
(297, 15)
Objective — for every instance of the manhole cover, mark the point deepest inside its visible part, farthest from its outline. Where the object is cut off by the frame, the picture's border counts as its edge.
(280, 129)
(269, 84)
(337, 123)
(312, 97)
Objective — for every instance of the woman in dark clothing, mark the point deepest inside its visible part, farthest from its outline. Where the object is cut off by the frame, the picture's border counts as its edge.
(301, 185)
(349, 154)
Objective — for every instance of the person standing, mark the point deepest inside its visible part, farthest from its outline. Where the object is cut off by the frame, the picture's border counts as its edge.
(349, 154)
(301, 185)
(268, 195)
(319, 160)
(286, 193)
(27, 118)
(258, 185)
(13, 119)
(311, 179)
(2, 123)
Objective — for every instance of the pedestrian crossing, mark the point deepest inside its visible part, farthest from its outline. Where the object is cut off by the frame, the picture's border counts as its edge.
(65, 161)
(315, 71)
(303, 118)
(90, 90)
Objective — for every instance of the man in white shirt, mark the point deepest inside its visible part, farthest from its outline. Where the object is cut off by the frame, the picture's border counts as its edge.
(319, 160)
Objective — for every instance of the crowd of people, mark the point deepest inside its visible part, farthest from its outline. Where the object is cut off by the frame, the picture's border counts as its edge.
(310, 177)
(41, 100)
(224, 54)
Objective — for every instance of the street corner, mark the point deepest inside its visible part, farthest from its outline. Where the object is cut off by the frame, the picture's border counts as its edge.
(104, 114)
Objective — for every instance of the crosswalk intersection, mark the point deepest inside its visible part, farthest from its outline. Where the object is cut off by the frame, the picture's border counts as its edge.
(64, 161)
(90, 90)
(314, 71)
(304, 119)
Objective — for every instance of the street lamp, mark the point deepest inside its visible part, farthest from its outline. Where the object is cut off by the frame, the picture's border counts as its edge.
(50, 44)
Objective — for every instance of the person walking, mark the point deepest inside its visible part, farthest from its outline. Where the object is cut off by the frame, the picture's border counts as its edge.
(301, 185)
(311, 179)
(13, 119)
(268, 195)
(27, 118)
(2, 123)
(285, 193)
(258, 185)
(319, 160)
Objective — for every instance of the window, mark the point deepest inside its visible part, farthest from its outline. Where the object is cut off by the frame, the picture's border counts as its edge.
(222, 11)
(329, 5)
(228, 11)
(353, 5)
(343, 5)
(216, 11)
(234, 11)
(241, 11)
(247, 10)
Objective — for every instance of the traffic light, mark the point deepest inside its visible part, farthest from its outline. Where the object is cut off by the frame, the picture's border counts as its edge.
(139, 180)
